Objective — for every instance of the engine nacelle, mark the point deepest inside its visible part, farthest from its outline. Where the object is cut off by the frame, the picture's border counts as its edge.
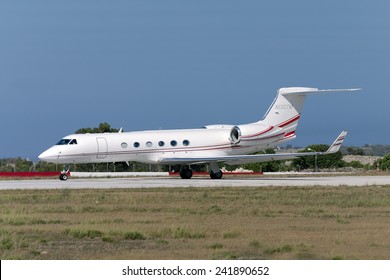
(234, 131)
(235, 135)
(252, 134)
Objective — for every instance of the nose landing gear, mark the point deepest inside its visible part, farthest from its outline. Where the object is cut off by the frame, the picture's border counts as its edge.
(64, 173)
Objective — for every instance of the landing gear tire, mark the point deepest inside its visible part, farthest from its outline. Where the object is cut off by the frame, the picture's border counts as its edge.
(186, 173)
(217, 175)
(65, 172)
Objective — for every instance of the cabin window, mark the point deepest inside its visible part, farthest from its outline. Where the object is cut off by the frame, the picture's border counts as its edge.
(136, 144)
(124, 145)
(149, 144)
(173, 143)
(161, 143)
(64, 142)
(186, 142)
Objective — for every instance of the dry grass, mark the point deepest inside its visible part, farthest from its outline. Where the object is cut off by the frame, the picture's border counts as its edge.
(197, 223)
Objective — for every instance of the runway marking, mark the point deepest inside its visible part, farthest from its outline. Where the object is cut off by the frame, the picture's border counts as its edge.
(110, 183)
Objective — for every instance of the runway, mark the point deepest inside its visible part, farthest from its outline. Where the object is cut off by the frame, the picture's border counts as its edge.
(164, 182)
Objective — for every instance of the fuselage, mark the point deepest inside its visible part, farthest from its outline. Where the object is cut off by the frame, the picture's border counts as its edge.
(154, 145)
(213, 144)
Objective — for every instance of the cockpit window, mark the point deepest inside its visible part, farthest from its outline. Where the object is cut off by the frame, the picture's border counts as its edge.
(67, 142)
(64, 142)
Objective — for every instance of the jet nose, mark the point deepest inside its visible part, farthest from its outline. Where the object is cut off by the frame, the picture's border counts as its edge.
(43, 156)
(49, 155)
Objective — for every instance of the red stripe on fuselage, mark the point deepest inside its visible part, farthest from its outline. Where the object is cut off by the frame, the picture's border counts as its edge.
(258, 133)
(289, 134)
(265, 138)
(289, 121)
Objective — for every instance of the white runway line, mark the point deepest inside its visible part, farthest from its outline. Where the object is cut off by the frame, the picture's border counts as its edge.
(110, 183)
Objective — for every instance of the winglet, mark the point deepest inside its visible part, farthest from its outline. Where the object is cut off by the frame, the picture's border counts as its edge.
(335, 147)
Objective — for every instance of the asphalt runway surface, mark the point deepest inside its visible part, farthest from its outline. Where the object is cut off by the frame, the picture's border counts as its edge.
(167, 182)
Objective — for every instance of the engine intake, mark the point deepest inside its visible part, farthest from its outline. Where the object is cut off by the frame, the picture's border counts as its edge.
(235, 135)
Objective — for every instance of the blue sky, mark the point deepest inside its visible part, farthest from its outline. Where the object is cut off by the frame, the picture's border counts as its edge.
(184, 64)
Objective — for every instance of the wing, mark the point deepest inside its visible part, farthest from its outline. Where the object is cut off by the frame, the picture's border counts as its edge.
(242, 159)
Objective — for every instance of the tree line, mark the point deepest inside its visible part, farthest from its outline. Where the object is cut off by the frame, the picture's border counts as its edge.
(323, 162)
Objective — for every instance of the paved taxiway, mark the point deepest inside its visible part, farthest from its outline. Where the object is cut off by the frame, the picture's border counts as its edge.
(109, 183)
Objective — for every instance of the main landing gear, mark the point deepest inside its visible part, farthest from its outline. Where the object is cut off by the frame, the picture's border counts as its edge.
(217, 175)
(64, 173)
(215, 172)
(186, 173)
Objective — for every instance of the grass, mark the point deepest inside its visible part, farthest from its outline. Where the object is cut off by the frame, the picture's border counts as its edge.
(134, 235)
(196, 223)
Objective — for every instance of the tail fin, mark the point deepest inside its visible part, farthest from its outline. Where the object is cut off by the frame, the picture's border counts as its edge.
(286, 109)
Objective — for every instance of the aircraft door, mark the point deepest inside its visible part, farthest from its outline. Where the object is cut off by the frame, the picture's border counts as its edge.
(102, 147)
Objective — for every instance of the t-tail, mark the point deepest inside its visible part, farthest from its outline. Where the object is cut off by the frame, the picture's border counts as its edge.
(285, 111)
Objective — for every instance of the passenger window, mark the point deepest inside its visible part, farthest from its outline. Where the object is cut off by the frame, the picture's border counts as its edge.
(173, 143)
(186, 143)
(149, 144)
(136, 144)
(161, 143)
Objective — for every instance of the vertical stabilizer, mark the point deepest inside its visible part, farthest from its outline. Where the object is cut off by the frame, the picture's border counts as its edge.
(286, 109)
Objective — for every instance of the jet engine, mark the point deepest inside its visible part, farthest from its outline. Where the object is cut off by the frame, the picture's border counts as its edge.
(234, 131)
(235, 135)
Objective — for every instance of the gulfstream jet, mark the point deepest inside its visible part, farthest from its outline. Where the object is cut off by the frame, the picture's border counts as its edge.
(231, 144)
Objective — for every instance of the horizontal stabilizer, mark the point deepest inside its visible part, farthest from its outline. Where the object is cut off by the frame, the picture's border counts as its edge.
(304, 91)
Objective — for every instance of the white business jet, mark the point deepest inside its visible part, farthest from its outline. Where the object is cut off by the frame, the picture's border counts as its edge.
(231, 144)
